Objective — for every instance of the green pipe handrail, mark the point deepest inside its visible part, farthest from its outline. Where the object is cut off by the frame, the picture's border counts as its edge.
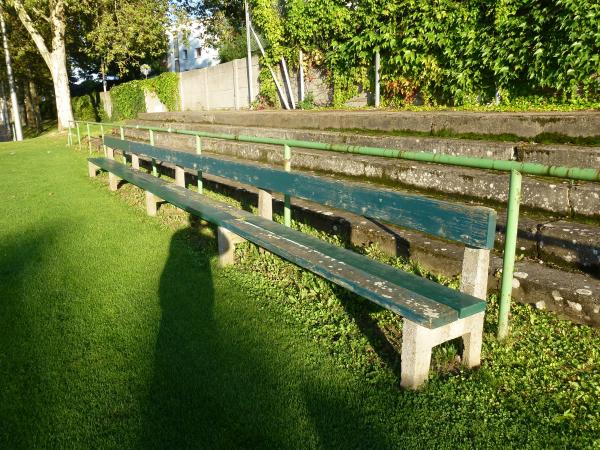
(514, 167)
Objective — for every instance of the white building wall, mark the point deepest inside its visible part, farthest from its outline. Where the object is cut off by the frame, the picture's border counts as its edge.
(193, 54)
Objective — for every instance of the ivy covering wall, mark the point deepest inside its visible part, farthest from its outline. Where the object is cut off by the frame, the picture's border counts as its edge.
(458, 52)
(128, 99)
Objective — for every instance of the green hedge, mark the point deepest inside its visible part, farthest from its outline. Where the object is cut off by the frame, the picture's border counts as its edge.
(86, 107)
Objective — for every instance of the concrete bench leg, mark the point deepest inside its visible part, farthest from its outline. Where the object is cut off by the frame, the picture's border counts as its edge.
(113, 181)
(418, 342)
(179, 176)
(265, 204)
(152, 202)
(92, 169)
(227, 240)
(474, 277)
(135, 161)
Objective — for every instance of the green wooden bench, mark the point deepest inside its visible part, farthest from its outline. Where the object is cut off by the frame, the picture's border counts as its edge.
(432, 313)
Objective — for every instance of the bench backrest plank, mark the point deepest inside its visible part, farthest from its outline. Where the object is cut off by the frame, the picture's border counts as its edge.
(471, 225)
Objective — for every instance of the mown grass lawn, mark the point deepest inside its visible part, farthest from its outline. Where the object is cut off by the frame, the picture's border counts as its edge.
(118, 331)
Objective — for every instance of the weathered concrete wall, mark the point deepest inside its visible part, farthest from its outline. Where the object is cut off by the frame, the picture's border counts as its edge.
(525, 125)
(106, 103)
(224, 86)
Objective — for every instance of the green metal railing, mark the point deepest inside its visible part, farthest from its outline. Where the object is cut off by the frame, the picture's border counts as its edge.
(515, 168)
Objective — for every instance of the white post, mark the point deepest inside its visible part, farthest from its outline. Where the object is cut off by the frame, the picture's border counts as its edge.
(236, 100)
(18, 136)
(377, 87)
(248, 56)
(301, 75)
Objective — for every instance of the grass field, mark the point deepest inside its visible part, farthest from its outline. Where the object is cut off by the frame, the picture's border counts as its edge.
(118, 330)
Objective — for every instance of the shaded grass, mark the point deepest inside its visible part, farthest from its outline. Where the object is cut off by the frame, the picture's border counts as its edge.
(118, 331)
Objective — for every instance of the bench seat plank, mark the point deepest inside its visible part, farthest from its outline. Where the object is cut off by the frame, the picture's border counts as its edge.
(471, 225)
(465, 305)
(401, 292)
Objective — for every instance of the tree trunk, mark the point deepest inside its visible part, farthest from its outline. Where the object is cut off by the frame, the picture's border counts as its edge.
(35, 101)
(56, 59)
(11, 81)
(29, 116)
(62, 94)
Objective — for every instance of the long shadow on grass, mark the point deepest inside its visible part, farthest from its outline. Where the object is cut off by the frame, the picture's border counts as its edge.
(225, 378)
(23, 405)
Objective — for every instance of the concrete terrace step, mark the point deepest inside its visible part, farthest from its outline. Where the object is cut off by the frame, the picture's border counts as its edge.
(551, 195)
(585, 124)
(554, 154)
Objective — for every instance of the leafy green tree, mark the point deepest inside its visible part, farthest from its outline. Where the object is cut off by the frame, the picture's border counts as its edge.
(123, 34)
(117, 33)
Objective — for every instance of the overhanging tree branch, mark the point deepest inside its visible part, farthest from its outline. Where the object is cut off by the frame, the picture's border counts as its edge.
(32, 30)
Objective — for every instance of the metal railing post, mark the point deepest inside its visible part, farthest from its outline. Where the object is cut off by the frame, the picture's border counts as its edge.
(78, 135)
(102, 136)
(154, 168)
(287, 204)
(510, 243)
(199, 152)
(70, 135)
(123, 151)
(89, 136)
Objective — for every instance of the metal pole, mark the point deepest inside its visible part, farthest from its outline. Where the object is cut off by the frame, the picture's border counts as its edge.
(18, 134)
(199, 152)
(122, 130)
(70, 135)
(377, 87)
(154, 168)
(288, 84)
(102, 135)
(248, 56)
(301, 75)
(287, 204)
(89, 136)
(277, 85)
(510, 242)
(78, 135)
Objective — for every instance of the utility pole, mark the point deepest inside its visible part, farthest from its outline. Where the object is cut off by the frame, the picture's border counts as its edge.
(11, 82)
(249, 56)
